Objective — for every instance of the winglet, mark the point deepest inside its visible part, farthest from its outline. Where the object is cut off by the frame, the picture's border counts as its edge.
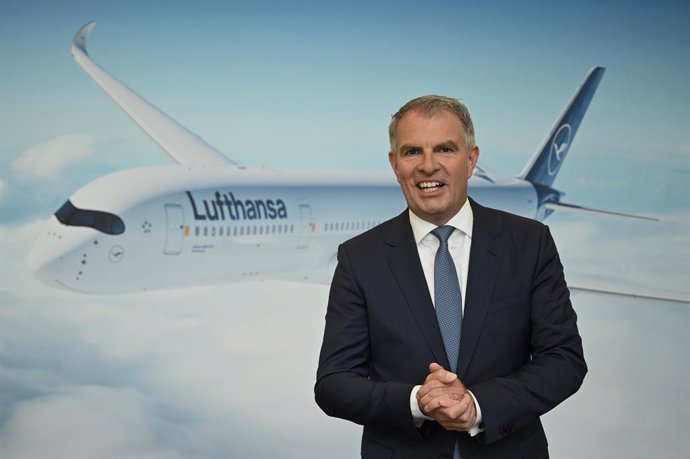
(79, 40)
(180, 144)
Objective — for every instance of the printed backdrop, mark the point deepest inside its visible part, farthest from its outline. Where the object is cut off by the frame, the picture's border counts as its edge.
(227, 371)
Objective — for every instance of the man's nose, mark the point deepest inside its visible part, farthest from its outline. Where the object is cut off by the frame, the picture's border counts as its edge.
(428, 163)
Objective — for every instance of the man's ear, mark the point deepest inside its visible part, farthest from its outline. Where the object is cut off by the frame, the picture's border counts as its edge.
(472, 160)
(393, 159)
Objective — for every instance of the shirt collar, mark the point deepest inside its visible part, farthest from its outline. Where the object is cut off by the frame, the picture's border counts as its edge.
(463, 221)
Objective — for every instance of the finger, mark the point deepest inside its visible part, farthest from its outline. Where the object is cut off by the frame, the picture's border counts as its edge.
(435, 404)
(447, 377)
(461, 406)
(446, 408)
(452, 404)
(464, 413)
(470, 415)
(441, 374)
(434, 367)
(428, 387)
(437, 393)
(427, 395)
(452, 422)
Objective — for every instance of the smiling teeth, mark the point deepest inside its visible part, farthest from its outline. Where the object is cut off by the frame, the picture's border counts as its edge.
(429, 186)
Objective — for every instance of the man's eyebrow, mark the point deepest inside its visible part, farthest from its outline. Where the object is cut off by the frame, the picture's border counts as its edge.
(409, 146)
(447, 144)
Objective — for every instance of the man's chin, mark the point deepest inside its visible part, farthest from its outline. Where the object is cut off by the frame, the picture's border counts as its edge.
(436, 217)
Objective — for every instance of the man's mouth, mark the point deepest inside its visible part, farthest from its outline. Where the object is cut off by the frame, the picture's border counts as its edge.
(429, 187)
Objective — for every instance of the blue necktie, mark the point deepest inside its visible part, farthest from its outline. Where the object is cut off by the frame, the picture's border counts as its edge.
(448, 302)
(447, 297)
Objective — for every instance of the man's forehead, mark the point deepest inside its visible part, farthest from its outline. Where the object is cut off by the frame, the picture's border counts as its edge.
(416, 115)
(415, 121)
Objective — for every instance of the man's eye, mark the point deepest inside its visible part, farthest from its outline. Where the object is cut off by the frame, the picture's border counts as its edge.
(410, 152)
(446, 150)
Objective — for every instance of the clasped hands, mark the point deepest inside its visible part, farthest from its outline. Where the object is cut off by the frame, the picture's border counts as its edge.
(446, 399)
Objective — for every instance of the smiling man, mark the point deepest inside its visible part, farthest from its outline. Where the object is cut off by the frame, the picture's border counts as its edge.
(449, 328)
(433, 159)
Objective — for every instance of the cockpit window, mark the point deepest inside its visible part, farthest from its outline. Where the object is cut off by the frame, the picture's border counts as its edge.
(102, 221)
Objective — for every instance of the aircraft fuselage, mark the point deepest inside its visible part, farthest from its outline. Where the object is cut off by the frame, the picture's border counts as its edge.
(188, 226)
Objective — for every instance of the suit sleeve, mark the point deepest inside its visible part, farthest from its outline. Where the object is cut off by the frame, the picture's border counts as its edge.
(557, 366)
(343, 386)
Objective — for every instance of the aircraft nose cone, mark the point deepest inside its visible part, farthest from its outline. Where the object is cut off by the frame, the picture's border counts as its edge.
(46, 250)
(39, 253)
(53, 245)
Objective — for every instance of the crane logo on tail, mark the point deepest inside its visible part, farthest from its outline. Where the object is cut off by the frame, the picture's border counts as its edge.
(559, 147)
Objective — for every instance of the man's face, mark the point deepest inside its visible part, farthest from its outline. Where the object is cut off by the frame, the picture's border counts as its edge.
(432, 164)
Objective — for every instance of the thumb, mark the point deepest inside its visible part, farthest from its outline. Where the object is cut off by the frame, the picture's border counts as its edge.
(434, 367)
(441, 373)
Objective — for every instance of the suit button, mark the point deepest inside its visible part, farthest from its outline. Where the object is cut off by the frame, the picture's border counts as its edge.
(444, 456)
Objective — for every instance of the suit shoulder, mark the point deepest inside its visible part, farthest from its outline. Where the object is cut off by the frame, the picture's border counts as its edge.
(514, 219)
(373, 236)
(506, 220)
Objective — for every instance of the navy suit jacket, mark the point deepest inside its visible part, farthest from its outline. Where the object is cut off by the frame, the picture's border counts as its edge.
(520, 353)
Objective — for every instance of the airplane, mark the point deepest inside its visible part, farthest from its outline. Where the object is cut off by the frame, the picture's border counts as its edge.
(207, 220)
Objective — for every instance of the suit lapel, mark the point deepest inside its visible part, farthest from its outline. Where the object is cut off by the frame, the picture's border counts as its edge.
(485, 255)
(403, 260)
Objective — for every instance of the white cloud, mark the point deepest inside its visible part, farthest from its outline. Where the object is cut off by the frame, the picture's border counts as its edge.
(46, 159)
(206, 372)
(633, 402)
(228, 371)
(15, 242)
(648, 255)
(102, 422)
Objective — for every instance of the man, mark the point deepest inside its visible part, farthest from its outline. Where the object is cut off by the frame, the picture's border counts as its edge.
(449, 328)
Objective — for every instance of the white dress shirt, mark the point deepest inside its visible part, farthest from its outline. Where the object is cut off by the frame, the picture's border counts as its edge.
(459, 244)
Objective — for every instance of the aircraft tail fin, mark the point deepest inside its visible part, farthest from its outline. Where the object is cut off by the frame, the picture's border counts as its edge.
(546, 162)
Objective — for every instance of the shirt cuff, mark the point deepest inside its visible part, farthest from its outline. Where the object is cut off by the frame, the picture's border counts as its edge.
(478, 426)
(417, 416)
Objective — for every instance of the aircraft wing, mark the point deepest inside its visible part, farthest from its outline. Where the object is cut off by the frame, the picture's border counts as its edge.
(183, 146)
(561, 206)
(582, 283)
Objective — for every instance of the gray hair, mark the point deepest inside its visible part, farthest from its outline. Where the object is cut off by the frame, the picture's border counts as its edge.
(430, 106)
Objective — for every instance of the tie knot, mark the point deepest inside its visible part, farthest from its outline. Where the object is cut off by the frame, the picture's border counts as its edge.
(443, 233)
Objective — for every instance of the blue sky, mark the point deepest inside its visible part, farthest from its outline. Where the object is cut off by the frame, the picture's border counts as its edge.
(313, 84)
